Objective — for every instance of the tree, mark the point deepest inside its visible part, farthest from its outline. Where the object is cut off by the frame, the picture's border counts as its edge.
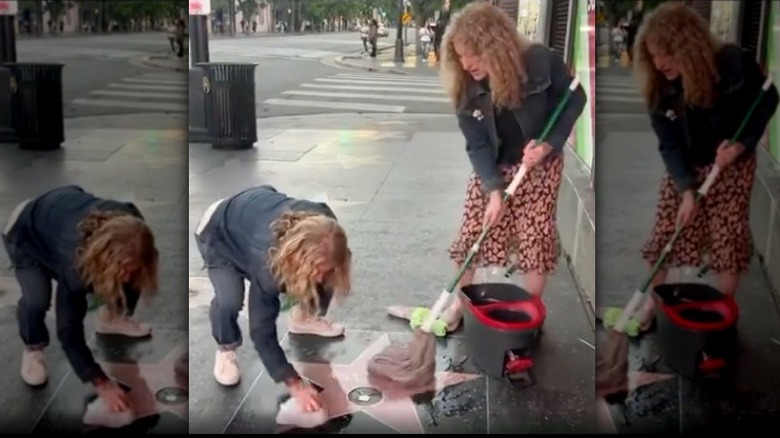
(56, 9)
(614, 11)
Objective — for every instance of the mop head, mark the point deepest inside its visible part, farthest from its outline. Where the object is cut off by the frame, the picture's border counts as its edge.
(406, 366)
(98, 414)
(611, 316)
(290, 414)
(612, 364)
(418, 317)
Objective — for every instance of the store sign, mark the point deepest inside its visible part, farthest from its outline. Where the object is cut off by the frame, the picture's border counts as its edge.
(9, 7)
(200, 7)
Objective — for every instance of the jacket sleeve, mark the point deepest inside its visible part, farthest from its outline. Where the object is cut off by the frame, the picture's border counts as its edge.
(753, 78)
(670, 144)
(264, 309)
(561, 80)
(480, 152)
(71, 309)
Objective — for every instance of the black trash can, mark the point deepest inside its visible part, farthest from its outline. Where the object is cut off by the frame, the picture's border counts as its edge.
(36, 105)
(231, 115)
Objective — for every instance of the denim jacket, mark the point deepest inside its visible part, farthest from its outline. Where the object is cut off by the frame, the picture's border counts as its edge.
(740, 82)
(548, 80)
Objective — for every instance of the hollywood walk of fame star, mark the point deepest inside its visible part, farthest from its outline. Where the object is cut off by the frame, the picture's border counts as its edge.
(636, 380)
(146, 380)
(396, 408)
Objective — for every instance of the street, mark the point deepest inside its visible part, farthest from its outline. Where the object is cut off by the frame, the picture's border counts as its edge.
(125, 140)
(397, 185)
(663, 401)
(103, 75)
(291, 78)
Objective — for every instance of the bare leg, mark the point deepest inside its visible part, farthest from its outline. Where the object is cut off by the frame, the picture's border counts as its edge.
(728, 283)
(535, 283)
(454, 313)
(645, 314)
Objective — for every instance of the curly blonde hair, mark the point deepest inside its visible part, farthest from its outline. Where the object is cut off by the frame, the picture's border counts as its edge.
(675, 29)
(110, 242)
(302, 241)
(486, 31)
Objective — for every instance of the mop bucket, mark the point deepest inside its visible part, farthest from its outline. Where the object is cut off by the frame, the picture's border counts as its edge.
(501, 325)
(696, 328)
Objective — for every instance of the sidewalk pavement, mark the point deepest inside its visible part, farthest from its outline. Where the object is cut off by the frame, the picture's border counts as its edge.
(384, 62)
(396, 182)
(666, 402)
(141, 158)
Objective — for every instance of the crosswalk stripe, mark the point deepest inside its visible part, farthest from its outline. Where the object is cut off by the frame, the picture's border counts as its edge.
(151, 106)
(153, 81)
(372, 82)
(353, 106)
(181, 87)
(137, 94)
(389, 76)
(367, 96)
(370, 88)
(388, 79)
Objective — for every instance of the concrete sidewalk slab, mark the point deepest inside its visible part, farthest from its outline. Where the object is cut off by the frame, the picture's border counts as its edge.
(628, 189)
(397, 184)
(141, 158)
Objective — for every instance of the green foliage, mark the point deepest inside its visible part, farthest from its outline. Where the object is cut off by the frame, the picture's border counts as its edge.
(57, 8)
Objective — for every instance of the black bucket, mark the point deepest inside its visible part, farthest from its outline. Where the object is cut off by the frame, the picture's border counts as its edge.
(695, 321)
(506, 315)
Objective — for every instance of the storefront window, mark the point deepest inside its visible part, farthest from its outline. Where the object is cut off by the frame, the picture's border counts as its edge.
(584, 68)
(773, 65)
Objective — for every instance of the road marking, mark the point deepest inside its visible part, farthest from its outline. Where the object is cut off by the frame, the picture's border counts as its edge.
(356, 106)
(393, 78)
(367, 96)
(153, 81)
(603, 98)
(151, 106)
(370, 88)
(180, 87)
(138, 94)
(376, 82)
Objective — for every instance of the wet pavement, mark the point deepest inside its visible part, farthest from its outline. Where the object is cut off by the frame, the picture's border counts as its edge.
(112, 157)
(666, 401)
(397, 184)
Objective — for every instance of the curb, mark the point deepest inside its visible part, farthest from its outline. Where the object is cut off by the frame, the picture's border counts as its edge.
(149, 61)
(341, 61)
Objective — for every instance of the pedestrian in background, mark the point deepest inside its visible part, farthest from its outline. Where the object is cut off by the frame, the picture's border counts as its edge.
(373, 34)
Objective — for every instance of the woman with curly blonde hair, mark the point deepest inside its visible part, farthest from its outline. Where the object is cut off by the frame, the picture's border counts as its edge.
(89, 246)
(698, 90)
(504, 89)
(287, 249)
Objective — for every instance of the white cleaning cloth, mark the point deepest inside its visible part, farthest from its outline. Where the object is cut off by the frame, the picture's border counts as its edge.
(98, 414)
(290, 414)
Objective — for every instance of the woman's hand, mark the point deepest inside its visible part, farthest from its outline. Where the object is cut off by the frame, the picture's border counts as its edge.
(533, 154)
(727, 153)
(306, 395)
(687, 209)
(494, 208)
(113, 396)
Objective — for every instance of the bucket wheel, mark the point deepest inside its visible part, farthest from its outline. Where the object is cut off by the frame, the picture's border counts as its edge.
(518, 371)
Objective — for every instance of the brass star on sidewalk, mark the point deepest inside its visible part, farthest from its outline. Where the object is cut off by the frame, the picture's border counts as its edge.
(154, 388)
(393, 408)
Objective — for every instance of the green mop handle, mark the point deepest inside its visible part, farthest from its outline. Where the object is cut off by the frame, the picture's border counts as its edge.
(633, 305)
(438, 307)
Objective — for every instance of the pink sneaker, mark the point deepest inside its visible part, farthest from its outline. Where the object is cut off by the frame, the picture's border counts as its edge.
(317, 326)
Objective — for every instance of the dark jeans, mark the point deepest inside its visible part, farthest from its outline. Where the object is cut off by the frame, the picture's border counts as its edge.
(36, 285)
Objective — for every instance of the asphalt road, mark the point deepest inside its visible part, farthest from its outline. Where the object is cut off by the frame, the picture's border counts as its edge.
(296, 76)
(103, 74)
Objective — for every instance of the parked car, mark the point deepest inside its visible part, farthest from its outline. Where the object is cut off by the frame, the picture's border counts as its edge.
(382, 31)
